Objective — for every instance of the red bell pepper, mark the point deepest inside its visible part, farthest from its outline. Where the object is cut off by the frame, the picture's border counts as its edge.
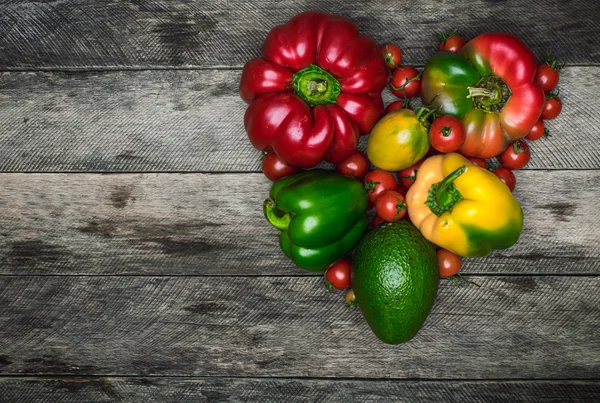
(314, 91)
(490, 86)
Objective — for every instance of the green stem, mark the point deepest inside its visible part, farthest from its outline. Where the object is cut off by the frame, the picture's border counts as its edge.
(482, 92)
(316, 86)
(444, 195)
(490, 94)
(276, 217)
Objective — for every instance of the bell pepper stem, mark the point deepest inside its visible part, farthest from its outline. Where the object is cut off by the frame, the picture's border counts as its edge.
(444, 195)
(481, 92)
(490, 94)
(316, 86)
(276, 217)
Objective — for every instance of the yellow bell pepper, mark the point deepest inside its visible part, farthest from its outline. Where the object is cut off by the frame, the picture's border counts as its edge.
(462, 207)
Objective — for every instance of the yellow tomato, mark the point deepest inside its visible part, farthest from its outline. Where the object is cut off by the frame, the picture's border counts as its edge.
(397, 141)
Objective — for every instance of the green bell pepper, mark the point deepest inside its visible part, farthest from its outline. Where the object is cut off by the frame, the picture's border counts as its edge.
(321, 216)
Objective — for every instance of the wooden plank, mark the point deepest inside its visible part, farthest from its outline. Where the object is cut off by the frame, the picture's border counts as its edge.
(176, 390)
(507, 327)
(212, 224)
(193, 121)
(153, 33)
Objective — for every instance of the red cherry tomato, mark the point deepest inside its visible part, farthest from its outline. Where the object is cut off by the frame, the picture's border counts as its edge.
(390, 205)
(506, 176)
(392, 55)
(546, 77)
(446, 134)
(406, 82)
(376, 221)
(394, 106)
(552, 107)
(378, 181)
(538, 130)
(339, 274)
(274, 168)
(407, 176)
(451, 43)
(448, 262)
(478, 161)
(400, 189)
(516, 155)
(356, 165)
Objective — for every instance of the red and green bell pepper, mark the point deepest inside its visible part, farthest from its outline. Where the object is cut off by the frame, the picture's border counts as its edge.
(315, 89)
(490, 86)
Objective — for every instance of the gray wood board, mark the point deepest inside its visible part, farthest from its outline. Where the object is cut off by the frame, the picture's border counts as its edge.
(212, 224)
(178, 390)
(507, 327)
(181, 33)
(193, 121)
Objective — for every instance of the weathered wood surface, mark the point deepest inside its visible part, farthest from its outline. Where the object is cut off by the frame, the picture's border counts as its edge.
(193, 121)
(506, 327)
(171, 287)
(212, 224)
(178, 390)
(153, 33)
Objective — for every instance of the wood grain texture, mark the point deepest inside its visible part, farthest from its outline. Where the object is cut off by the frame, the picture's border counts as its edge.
(193, 121)
(504, 328)
(212, 224)
(178, 390)
(181, 33)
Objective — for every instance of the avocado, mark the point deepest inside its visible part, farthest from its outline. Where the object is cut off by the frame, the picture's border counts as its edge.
(395, 278)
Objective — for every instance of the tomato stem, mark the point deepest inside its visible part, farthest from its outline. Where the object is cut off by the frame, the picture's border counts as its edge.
(443, 37)
(411, 178)
(446, 131)
(370, 186)
(389, 57)
(518, 148)
(408, 81)
(400, 207)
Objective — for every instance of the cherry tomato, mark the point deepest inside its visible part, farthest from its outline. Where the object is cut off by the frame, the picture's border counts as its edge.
(394, 106)
(377, 181)
(390, 205)
(274, 168)
(516, 155)
(356, 165)
(478, 161)
(538, 130)
(448, 262)
(446, 134)
(400, 189)
(350, 297)
(506, 176)
(376, 221)
(451, 43)
(339, 274)
(392, 55)
(407, 176)
(552, 107)
(546, 77)
(406, 82)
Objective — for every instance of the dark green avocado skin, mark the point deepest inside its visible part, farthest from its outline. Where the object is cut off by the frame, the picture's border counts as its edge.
(395, 278)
